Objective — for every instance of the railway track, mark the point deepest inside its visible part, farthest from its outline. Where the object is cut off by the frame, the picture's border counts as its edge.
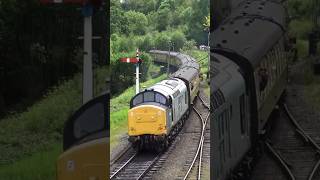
(293, 149)
(198, 156)
(134, 165)
(130, 164)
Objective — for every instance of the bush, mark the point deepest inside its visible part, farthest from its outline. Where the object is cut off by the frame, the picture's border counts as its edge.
(189, 45)
(162, 41)
(178, 39)
(137, 22)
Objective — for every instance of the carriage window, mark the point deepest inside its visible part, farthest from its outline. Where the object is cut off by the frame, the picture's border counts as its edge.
(90, 121)
(148, 97)
(137, 100)
(160, 98)
(186, 98)
(242, 114)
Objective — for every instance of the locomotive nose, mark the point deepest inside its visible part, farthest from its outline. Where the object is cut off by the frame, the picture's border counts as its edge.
(146, 119)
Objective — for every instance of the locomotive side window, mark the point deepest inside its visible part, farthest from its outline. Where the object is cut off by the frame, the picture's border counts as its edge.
(242, 114)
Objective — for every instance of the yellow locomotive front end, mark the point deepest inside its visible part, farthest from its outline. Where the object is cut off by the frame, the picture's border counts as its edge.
(147, 119)
(84, 162)
(86, 152)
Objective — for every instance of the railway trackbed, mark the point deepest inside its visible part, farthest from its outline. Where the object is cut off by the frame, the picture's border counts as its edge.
(197, 158)
(293, 149)
(130, 164)
(133, 165)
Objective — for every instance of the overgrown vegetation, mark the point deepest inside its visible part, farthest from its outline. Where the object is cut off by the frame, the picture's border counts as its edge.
(152, 24)
(39, 47)
(302, 12)
(39, 129)
(302, 24)
(39, 166)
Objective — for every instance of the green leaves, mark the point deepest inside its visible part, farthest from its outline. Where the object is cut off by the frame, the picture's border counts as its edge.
(137, 22)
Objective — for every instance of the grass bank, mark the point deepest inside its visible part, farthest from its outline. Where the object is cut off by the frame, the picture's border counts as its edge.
(30, 141)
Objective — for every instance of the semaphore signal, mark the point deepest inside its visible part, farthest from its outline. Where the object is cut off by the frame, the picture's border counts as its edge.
(137, 61)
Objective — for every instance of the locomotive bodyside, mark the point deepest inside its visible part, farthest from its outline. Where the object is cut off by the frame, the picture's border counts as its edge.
(230, 104)
(156, 112)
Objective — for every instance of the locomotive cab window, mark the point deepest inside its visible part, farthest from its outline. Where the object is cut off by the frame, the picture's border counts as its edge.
(149, 96)
(160, 98)
(90, 121)
(137, 100)
(87, 123)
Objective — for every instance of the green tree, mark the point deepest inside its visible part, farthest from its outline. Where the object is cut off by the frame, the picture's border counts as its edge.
(163, 19)
(118, 22)
(178, 39)
(137, 22)
(162, 41)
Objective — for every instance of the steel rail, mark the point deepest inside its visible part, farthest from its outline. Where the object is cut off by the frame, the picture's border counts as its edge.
(204, 103)
(201, 150)
(296, 124)
(280, 159)
(123, 166)
(314, 170)
(147, 169)
(306, 137)
(204, 123)
(120, 155)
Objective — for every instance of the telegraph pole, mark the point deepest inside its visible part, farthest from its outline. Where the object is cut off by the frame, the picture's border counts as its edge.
(168, 66)
(87, 54)
(87, 12)
(137, 73)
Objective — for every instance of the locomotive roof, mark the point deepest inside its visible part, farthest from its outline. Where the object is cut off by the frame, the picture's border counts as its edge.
(252, 29)
(167, 87)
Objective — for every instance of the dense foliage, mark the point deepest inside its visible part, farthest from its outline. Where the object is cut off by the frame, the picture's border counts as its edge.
(152, 24)
(39, 47)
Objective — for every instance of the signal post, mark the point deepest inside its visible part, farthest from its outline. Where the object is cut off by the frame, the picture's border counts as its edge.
(137, 61)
